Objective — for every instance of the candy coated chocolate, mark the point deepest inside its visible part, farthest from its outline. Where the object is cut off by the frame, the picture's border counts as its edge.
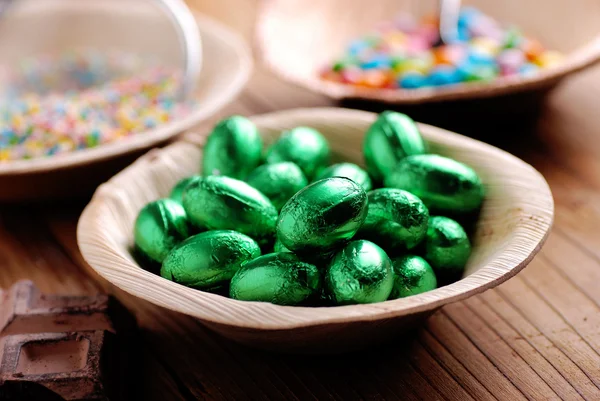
(280, 278)
(388, 140)
(396, 220)
(412, 276)
(322, 216)
(304, 146)
(278, 181)
(443, 184)
(223, 203)
(160, 226)
(347, 170)
(359, 273)
(234, 148)
(447, 247)
(210, 259)
(177, 191)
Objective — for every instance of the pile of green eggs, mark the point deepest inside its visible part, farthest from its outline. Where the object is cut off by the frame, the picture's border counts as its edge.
(285, 226)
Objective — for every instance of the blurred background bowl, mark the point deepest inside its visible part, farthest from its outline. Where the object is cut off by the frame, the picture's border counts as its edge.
(514, 222)
(297, 38)
(34, 27)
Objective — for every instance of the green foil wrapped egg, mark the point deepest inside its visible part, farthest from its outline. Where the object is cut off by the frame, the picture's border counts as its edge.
(304, 146)
(279, 247)
(223, 203)
(396, 220)
(233, 149)
(360, 273)
(209, 260)
(348, 170)
(177, 191)
(323, 215)
(160, 226)
(443, 184)
(412, 276)
(278, 181)
(447, 247)
(280, 278)
(388, 140)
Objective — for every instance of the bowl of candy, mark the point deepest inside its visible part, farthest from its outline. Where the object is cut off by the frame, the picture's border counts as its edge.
(393, 51)
(316, 229)
(87, 87)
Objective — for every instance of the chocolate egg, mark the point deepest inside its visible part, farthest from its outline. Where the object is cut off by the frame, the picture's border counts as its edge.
(323, 215)
(177, 191)
(280, 278)
(412, 276)
(223, 203)
(279, 247)
(233, 148)
(360, 273)
(278, 181)
(347, 170)
(209, 260)
(447, 247)
(160, 226)
(443, 184)
(304, 146)
(388, 140)
(396, 220)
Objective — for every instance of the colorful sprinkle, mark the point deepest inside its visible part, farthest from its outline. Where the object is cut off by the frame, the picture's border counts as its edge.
(82, 99)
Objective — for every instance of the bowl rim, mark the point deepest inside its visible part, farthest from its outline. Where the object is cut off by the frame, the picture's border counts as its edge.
(94, 248)
(576, 60)
(163, 132)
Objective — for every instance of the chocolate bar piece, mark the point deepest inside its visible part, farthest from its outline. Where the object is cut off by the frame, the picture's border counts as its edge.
(61, 347)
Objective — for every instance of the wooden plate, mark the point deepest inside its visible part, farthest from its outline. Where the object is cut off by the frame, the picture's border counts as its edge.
(297, 38)
(516, 217)
(115, 25)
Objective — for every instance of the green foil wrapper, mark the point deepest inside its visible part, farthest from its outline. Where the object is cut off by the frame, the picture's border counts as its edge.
(396, 221)
(279, 278)
(279, 247)
(412, 276)
(209, 260)
(443, 184)
(392, 137)
(160, 226)
(447, 247)
(360, 273)
(347, 170)
(177, 191)
(278, 181)
(233, 149)
(304, 146)
(322, 216)
(223, 203)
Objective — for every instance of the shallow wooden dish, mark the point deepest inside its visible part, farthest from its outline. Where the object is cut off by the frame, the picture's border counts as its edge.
(515, 220)
(119, 25)
(298, 37)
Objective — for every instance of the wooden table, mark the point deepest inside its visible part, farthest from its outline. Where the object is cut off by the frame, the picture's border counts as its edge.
(535, 337)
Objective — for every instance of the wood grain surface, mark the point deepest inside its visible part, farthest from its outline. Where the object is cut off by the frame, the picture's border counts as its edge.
(536, 337)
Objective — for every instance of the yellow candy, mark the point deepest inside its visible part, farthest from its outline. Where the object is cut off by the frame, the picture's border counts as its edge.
(486, 45)
(416, 64)
(395, 39)
(549, 59)
(4, 155)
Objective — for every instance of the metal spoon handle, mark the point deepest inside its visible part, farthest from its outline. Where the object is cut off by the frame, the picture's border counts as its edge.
(189, 37)
(449, 13)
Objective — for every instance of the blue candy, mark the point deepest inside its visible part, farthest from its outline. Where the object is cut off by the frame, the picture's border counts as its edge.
(528, 69)
(377, 61)
(444, 75)
(412, 80)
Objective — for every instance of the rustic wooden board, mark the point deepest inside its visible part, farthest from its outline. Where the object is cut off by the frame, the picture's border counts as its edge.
(535, 337)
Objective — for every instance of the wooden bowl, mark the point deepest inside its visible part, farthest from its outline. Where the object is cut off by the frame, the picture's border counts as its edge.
(516, 217)
(297, 38)
(122, 26)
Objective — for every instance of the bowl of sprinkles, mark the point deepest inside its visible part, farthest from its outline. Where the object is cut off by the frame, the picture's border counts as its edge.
(316, 229)
(393, 52)
(94, 84)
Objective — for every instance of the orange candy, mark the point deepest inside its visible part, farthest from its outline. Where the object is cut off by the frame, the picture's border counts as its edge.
(533, 49)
